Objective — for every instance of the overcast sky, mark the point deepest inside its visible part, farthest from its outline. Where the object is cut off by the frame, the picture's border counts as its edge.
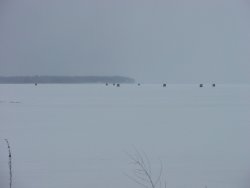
(150, 40)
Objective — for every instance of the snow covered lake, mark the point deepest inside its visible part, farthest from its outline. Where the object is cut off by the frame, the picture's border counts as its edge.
(71, 136)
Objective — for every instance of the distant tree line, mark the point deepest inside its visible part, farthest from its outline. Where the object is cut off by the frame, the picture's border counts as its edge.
(64, 79)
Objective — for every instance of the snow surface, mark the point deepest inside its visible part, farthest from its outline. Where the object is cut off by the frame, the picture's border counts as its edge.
(75, 136)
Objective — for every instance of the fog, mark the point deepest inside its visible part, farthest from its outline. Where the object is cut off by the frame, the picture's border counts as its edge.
(151, 41)
(75, 136)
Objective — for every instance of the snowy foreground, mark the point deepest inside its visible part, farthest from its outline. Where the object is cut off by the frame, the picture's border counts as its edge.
(72, 136)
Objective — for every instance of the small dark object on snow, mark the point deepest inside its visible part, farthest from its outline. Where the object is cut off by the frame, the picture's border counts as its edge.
(213, 85)
(164, 85)
(201, 85)
(117, 85)
(35, 84)
(138, 84)
(107, 84)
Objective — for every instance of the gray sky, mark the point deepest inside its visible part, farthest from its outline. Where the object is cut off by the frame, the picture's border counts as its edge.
(150, 40)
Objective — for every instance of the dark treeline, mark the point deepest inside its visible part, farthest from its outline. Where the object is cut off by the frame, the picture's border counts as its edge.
(64, 79)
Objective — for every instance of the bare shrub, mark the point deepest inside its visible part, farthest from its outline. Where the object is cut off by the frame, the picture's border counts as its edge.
(143, 173)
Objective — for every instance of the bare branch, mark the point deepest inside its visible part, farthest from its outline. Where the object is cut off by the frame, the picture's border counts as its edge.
(143, 173)
(10, 162)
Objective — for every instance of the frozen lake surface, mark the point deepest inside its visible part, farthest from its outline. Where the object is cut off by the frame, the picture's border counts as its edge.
(78, 135)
